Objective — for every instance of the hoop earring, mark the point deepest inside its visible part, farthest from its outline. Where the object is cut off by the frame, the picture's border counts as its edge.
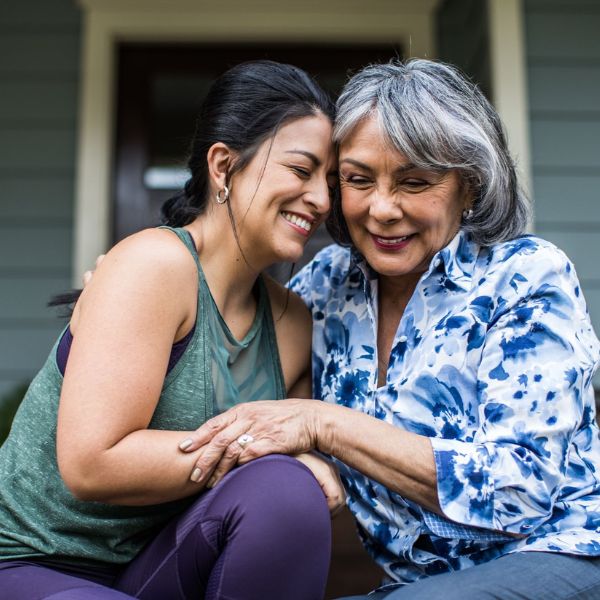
(467, 213)
(222, 199)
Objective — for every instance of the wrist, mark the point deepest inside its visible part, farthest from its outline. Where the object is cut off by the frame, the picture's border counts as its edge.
(324, 427)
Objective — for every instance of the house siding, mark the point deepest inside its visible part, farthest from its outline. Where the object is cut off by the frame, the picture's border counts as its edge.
(563, 72)
(39, 72)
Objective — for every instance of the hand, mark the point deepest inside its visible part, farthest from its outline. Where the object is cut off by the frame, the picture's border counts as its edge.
(276, 427)
(327, 475)
(87, 276)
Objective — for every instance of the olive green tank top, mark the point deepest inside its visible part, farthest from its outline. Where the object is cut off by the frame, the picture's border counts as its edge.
(39, 517)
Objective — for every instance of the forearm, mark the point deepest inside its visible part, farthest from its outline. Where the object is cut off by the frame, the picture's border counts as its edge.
(400, 460)
(145, 467)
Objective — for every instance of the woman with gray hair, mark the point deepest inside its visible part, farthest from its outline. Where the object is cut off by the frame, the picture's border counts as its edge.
(453, 352)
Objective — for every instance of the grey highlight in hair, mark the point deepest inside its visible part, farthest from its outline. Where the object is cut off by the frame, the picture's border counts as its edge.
(433, 115)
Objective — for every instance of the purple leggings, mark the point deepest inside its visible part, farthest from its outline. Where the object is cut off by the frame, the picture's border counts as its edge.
(263, 532)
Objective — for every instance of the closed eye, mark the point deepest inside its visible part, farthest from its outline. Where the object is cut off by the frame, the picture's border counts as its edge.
(301, 172)
(414, 185)
(355, 180)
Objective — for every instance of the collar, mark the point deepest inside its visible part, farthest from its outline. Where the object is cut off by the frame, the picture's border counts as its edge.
(453, 265)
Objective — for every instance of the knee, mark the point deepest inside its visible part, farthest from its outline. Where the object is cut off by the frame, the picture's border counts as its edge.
(282, 488)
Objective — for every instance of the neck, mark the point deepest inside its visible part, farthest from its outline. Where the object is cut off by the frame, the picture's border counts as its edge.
(396, 291)
(230, 274)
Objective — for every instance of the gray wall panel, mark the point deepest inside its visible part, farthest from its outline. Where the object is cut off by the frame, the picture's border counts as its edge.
(39, 71)
(20, 101)
(24, 301)
(35, 248)
(563, 34)
(565, 90)
(39, 53)
(565, 201)
(43, 197)
(562, 144)
(37, 149)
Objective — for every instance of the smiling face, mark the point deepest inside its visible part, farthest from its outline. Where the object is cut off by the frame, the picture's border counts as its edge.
(283, 194)
(398, 215)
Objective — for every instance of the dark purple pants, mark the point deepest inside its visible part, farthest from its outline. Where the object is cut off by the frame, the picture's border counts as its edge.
(263, 533)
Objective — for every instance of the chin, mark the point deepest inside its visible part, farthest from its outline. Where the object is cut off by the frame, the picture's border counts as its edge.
(290, 253)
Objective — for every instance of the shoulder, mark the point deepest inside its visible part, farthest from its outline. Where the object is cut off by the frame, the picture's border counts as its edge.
(531, 269)
(148, 256)
(523, 265)
(144, 268)
(530, 252)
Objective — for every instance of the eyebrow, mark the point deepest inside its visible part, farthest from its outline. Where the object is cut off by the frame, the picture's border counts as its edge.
(361, 165)
(308, 155)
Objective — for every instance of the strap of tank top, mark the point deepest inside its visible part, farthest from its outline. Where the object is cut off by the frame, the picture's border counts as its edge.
(187, 239)
(270, 328)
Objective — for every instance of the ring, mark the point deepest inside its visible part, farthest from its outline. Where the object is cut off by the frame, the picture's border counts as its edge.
(245, 439)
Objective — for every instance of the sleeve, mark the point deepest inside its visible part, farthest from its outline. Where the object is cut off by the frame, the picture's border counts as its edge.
(534, 385)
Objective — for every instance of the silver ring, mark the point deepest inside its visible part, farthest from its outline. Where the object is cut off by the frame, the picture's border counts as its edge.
(245, 439)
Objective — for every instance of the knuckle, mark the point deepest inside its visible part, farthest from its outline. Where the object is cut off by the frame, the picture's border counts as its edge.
(231, 452)
(221, 441)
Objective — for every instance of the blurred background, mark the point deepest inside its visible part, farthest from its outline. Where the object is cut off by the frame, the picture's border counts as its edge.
(98, 101)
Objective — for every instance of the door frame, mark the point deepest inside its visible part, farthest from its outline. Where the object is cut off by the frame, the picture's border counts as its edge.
(106, 23)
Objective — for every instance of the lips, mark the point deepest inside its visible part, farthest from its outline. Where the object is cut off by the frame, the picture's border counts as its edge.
(389, 243)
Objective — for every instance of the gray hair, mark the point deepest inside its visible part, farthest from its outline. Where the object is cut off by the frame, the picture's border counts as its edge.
(429, 112)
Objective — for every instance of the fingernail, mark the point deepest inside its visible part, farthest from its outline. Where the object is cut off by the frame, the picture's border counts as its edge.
(186, 444)
(211, 484)
(197, 473)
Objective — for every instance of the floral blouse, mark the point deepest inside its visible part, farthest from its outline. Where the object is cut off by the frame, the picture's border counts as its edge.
(493, 361)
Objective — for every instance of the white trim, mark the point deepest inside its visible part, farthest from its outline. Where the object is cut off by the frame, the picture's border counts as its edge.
(107, 22)
(509, 79)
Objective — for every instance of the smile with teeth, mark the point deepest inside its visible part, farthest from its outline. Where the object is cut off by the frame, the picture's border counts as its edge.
(296, 220)
(391, 241)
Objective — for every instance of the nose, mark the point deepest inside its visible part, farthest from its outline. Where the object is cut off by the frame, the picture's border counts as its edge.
(319, 197)
(384, 207)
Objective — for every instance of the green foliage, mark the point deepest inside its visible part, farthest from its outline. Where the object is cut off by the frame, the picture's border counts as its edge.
(8, 407)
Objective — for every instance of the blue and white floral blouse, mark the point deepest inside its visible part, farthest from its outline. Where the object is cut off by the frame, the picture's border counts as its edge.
(493, 360)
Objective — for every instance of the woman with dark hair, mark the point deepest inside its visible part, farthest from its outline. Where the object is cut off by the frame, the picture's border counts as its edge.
(454, 354)
(178, 325)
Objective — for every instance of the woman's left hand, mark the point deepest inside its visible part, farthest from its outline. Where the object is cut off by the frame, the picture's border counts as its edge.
(269, 427)
(328, 477)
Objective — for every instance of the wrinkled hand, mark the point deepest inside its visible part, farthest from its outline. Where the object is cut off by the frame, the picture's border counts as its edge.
(87, 276)
(327, 475)
(276, 426)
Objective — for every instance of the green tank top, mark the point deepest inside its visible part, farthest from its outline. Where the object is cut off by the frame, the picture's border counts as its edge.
(38, 515)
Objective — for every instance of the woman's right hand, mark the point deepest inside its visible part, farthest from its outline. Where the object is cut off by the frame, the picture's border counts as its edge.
(87, 276)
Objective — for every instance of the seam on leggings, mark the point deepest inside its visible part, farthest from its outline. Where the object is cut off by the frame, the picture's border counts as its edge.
(169, 556)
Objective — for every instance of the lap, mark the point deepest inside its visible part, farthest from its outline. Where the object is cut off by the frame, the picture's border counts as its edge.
(264, 509)
(27, 581)
(532, 575)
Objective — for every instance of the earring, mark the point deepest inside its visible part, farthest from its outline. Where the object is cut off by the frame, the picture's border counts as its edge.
(222, 199)
(467, 213)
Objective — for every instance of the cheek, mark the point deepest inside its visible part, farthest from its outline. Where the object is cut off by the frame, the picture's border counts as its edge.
(352, 208)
